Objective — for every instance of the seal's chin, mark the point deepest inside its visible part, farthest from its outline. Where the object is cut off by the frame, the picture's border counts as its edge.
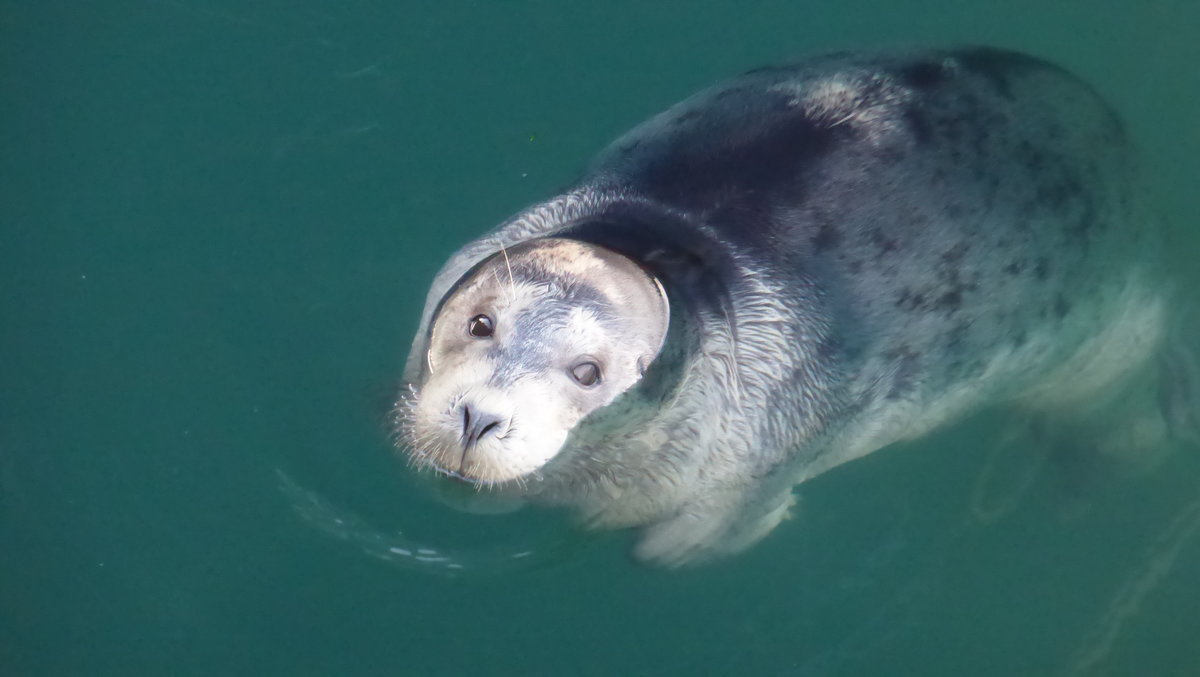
(465, 496)
(513, 460)
(478, 475)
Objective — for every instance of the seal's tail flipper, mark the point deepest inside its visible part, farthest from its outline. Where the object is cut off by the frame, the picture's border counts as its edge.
(1179, 388)
(1015, 456)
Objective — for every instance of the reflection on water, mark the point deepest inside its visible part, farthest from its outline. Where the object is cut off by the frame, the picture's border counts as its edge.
(346, 526)
(399, 549)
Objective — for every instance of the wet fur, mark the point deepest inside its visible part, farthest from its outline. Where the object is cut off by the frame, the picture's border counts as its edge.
(861, 247)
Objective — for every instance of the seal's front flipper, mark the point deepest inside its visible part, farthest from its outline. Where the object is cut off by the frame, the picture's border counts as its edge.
(688, 537)
(706, 532)
(754, 524)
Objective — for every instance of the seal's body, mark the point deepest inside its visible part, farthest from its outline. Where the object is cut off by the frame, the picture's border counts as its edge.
(856, 249)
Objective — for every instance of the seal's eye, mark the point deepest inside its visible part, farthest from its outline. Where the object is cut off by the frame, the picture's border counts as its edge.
(480, 326)
(586, 373)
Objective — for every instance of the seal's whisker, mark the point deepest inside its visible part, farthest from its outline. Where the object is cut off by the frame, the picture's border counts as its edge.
(508, 264)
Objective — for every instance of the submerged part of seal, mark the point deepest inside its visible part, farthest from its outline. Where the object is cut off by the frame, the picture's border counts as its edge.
(856, 249)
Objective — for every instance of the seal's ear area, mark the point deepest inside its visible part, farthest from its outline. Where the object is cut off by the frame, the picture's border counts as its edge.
(660, 318)
(643, 361)
(644, 302)
(457, 271)
(451, 274)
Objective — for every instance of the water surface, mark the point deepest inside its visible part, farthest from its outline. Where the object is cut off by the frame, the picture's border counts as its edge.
(217, 224)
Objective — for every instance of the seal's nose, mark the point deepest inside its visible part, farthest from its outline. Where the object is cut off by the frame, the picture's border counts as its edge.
(478, 423)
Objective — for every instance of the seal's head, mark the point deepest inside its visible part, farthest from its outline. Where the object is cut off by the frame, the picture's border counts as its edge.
(523, 348)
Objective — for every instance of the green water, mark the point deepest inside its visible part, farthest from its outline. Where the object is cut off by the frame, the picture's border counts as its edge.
(218, 220)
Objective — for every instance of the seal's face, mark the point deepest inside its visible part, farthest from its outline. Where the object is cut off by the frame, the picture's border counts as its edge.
(534, 340)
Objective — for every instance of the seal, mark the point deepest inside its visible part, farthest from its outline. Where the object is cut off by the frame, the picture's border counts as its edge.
(788, 271)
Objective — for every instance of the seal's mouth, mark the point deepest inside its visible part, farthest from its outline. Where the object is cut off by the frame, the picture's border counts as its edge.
(455, 476)
(455, 445)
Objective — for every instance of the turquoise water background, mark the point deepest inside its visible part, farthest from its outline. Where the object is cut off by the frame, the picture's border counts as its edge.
(218, 221)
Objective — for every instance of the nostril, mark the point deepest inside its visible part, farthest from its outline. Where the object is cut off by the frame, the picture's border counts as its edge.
(478, 424)
(483, 425)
